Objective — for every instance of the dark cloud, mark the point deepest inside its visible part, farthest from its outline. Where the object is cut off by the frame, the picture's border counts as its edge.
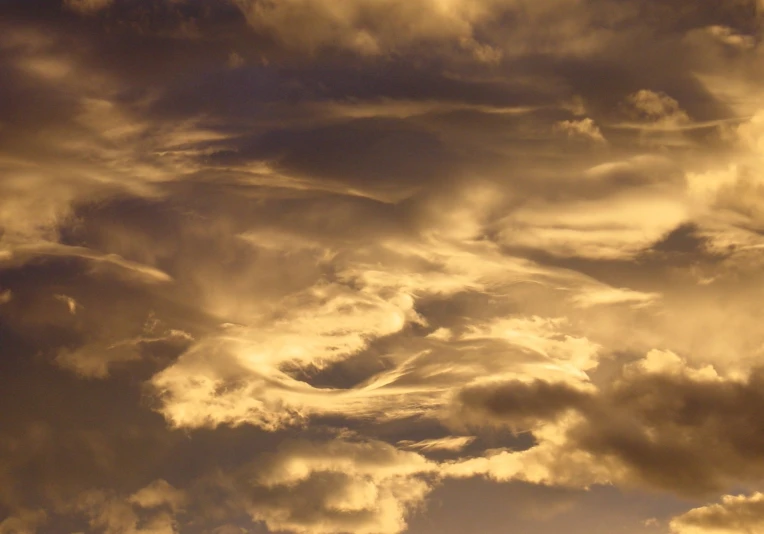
(680, 433)
(675, 430)
(517, 404)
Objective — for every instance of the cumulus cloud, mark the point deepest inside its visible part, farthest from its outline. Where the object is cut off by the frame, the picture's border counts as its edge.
(364, 27)
(663, 424)
(581, 129)
(656, 108)
(339, 486)
(735, 513)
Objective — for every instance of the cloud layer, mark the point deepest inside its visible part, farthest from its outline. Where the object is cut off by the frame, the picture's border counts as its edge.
(318, 266)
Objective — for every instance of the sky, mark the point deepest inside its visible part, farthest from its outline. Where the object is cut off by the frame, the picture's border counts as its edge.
(381, 266)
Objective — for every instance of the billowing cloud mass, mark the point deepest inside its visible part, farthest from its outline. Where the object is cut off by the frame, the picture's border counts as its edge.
(373, 267)
(339, 486)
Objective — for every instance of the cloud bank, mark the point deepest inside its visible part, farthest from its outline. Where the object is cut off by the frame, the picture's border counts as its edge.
(365, 266)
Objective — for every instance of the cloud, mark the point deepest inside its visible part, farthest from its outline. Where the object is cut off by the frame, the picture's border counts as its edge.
(656, 108)
(519, 405)
(731, 38)
(23, 522)
(150, 510)
(366, 28)
(735, 513)
(246, 383)
(581, 129)
(235, 60)
(452, 443)
(87, 7)
(610, 228)
(97, 358)
(71, 304)
(544, 337)
(158, 493)
(25, 252)
(338, 486)
(251, 378)
(662, 424)
(519, 240)
(611, 295)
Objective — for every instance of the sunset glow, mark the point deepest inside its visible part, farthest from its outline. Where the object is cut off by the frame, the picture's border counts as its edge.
(381, 266)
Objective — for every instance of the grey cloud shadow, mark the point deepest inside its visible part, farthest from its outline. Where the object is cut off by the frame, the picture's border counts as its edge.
(672, 432)
(377, 154)
(246, 92)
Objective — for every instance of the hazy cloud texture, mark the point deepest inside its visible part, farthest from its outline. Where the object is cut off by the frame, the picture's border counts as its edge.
(354, 266)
